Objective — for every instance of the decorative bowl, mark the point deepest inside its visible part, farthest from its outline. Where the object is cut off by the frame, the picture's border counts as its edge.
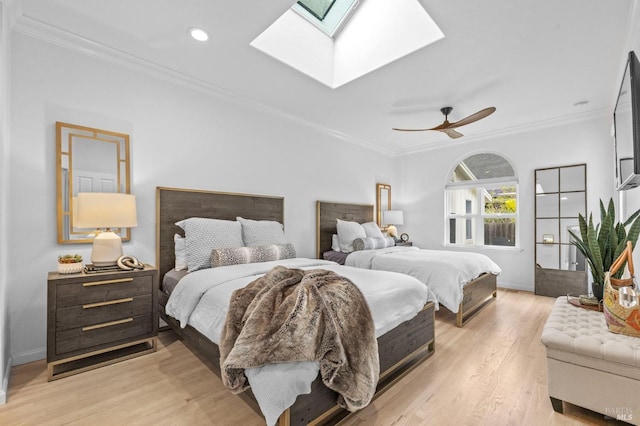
(70, 268)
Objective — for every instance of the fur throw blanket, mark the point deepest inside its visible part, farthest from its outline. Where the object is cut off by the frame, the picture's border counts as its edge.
(295, 315)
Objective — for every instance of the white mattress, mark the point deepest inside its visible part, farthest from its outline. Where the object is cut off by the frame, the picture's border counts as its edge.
(201, 299)
(444, 272)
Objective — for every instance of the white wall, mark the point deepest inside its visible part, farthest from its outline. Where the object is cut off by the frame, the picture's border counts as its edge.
(424, 175)
(5, 56)
(179, 138)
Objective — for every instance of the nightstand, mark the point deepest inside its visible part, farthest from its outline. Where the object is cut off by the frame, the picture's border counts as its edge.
(404, 244)
(99, 319)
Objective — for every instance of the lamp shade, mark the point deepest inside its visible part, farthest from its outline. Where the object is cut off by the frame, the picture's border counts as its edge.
(392, 217)
(106, 210)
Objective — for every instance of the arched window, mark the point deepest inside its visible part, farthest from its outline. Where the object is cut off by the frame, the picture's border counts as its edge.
(481, 199)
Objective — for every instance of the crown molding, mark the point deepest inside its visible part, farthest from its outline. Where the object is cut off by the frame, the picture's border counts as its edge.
(13, 8)
(514, 130)
(51, 34)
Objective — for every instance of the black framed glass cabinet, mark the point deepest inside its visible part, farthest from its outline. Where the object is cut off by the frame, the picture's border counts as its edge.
(561, 195)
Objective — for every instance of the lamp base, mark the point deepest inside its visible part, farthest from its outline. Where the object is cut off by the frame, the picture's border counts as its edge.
(392, 231)
(107, 248)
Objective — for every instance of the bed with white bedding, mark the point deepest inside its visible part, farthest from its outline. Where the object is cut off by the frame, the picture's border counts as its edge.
(201, 300)
(197, 306)
(463, 282)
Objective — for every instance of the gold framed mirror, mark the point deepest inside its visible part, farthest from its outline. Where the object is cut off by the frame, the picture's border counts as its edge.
(88, 160)
(383, 201)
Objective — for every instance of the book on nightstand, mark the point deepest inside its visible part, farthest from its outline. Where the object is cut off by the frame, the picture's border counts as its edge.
(90, 268)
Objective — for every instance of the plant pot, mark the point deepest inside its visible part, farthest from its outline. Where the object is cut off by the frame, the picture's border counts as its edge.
(598, 290)
(70, 268)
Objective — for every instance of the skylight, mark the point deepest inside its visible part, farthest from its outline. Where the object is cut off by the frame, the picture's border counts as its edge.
(379, 32)
(328, 15)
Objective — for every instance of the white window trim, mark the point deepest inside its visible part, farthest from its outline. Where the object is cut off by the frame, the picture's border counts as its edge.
(479, 217)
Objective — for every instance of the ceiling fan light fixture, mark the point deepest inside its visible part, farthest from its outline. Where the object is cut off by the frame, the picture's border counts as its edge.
(198, 34)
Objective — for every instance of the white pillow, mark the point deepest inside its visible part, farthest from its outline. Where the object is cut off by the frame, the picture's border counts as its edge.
(347, 233)
(181, 252)
(335, 242)
(203, 235)
(261, 232)
(372, 230)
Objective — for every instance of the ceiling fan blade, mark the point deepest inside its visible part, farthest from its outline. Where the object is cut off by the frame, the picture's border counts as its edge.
(410, 130)
(473, 118)
(442, 126)
(452, 133)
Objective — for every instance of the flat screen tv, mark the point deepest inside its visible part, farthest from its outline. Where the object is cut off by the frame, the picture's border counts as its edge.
(626, 119)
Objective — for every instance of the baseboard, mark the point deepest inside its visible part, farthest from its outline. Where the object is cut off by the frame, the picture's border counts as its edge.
(4, 390)
(27, 357)
(503, 286)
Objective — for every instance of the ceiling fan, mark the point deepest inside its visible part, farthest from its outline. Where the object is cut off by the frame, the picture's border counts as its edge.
(448, 128)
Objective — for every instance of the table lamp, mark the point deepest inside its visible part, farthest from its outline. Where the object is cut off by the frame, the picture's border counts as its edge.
(103, 211)
(391, 218)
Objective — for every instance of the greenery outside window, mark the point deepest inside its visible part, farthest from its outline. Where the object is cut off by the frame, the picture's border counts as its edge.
(482, 203)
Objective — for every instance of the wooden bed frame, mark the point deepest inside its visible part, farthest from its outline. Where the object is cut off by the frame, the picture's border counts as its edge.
(476, 294)
(400, 349)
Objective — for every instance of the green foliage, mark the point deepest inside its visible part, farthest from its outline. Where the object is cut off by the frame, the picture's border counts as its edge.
(602, 244)
(69, 258)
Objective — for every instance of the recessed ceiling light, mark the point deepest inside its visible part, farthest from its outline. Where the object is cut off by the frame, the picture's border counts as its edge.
(199, 34)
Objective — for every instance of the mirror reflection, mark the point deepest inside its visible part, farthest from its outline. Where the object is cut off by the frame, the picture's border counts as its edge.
(88, 160)
(383, 201)
(560, 198)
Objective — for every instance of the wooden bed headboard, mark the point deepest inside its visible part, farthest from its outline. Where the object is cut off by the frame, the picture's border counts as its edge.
(326, 215)
(174, 204)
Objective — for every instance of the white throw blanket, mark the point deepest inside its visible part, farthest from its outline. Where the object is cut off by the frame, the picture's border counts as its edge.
(444, 272)
(201, 299)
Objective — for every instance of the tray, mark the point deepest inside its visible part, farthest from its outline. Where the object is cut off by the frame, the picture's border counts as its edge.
(576, 302)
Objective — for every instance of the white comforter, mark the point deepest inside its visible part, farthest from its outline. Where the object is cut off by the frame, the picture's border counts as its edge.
(444, 272)
(201, 300)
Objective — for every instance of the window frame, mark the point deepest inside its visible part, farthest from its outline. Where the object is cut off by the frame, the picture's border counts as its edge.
(478, 218)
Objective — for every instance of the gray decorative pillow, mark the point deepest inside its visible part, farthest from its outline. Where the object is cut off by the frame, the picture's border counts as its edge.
(180, 246)
(255, 254)
(203, 235)
(261, 232)
(347, 232)
(370, 243)
(372, 230)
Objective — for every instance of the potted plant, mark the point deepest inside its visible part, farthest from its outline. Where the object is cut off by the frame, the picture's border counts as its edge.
(602, 244)
(70, 264)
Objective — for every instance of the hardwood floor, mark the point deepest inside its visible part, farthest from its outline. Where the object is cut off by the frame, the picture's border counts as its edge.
(491, 372)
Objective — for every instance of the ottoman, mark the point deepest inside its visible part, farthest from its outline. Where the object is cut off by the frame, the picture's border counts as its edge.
(589, 366)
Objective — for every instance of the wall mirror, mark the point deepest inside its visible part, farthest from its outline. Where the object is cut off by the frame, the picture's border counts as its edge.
(383, 201)
(88, 160)
(561, 195)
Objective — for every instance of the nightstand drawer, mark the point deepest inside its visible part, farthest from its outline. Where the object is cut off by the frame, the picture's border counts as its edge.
(94, 291)
(101, 312)
(102, 333)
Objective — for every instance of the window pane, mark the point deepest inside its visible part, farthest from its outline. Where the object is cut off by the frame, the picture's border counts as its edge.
(319, 8)
(482, 166)
(461, 231)
(500, 200)
(462, 201)
(500, 232)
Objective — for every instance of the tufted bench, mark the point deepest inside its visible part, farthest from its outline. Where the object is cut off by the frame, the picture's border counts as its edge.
(589, 366)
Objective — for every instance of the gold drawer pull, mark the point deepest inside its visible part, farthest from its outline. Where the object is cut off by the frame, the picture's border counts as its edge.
(121, 280)
(110, 302)
(106, 324)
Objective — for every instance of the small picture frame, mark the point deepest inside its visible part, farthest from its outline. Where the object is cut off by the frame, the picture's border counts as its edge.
(547, 238)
